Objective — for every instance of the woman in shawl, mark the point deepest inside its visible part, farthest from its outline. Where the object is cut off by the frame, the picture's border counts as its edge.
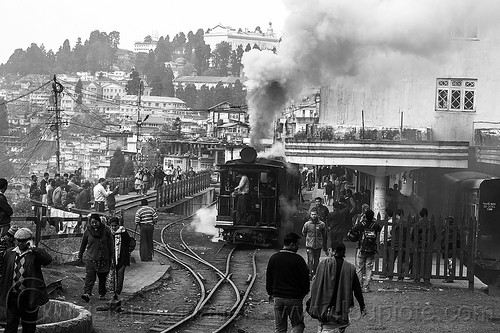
(96, 251)
(121, 252)
(332, 292)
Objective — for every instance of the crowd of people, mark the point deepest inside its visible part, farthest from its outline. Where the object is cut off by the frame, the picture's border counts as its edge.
(105, 251)
(334, 283)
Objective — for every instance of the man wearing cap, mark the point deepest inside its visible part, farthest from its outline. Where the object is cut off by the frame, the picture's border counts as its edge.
(287, 283)
(6, 242)
(22, 287)
(5, 209)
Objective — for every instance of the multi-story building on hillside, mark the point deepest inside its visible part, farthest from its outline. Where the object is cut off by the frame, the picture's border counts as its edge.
(235, 37)
(208, 81)
(227, 122)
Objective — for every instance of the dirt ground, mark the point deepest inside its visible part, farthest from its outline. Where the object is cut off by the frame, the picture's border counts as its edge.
(392, 307)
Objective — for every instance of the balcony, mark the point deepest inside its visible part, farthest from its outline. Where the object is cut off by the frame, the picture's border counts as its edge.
(325, 133)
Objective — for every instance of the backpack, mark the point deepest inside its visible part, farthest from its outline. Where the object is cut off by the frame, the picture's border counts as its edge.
(369, 240)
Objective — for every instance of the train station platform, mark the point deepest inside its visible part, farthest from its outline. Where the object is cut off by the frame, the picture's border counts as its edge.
(351, 247)
(142, 275)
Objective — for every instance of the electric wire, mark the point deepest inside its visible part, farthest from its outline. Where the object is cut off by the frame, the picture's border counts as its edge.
(24, 95)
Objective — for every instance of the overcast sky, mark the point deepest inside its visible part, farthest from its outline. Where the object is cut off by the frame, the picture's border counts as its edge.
(50, 22)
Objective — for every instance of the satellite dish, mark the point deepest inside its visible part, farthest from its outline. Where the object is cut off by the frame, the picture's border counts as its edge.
(248, 154)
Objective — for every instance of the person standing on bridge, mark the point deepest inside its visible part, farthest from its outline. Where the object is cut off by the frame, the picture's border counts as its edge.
(146, 217)
(287, 283)
(100, 195)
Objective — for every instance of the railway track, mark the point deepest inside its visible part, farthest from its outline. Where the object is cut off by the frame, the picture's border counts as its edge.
(220, 284)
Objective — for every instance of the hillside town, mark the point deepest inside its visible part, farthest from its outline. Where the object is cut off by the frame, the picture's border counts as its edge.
(91, 115)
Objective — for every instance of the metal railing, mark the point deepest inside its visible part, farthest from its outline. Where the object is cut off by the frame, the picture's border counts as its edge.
(174, 191)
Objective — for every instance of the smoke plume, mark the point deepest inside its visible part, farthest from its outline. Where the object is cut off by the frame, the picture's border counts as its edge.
(353, 40)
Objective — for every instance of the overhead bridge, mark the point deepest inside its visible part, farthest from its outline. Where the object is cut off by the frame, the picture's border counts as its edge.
(439, 154)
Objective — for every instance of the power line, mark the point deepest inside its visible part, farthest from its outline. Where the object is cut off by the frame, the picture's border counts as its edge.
(24, 95)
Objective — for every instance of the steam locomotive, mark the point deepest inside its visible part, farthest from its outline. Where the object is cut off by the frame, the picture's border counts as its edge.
(273, 191)
(473, 197)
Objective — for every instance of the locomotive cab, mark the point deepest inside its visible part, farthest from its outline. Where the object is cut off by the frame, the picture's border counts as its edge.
(253, 217)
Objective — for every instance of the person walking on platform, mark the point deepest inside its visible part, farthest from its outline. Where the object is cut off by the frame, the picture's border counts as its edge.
(22, 286)
(100, 195)
(332, 292)
(287, 283)
(316, 239)
(5, 209)
(96, 251)
(122, 248)
(146, 217)
(321, 209)
(369, 230)
(336, 222)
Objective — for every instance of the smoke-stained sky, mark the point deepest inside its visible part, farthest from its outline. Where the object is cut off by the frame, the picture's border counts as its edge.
(324, 40)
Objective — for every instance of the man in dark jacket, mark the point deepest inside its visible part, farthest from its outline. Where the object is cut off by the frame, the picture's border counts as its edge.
(336, 223)
(287, 283)
(5, 209)
(22, 287)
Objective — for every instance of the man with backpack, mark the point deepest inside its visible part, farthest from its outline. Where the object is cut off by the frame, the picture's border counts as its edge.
(368, 230)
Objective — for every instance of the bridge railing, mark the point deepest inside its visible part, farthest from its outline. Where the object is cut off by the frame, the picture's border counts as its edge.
(172, 192)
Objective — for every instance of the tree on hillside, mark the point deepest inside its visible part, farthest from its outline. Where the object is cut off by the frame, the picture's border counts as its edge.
(221, 93)
(190, 96)
(150, 66)
(79, 56)
(201, 58)
(179, 41)
(64, 57)
(4, 124)
(248, 47)
(168, 85)
(238, 95)
(78, 91)
(179, 93)
(116, 164)
(140, 61)
(128, 169)
(221, 57)
(163, 50)
(157, 86)
(148, 39)
(236, 57)
(132, 86)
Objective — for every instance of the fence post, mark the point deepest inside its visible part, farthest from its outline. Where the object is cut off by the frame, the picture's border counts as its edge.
(471, 249)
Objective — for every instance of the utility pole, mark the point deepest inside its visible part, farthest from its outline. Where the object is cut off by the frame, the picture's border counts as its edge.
(57, 88)
(139, 123)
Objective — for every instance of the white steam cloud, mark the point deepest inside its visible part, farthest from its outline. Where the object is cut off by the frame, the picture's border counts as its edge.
(204, 221)
(358, 40)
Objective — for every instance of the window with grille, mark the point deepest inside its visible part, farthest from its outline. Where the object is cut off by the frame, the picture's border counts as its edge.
(456, 94)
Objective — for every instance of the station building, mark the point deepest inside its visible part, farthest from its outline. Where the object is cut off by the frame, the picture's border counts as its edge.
(428, 118)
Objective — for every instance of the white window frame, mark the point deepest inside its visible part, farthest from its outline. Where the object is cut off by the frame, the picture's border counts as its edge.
(449, 91)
